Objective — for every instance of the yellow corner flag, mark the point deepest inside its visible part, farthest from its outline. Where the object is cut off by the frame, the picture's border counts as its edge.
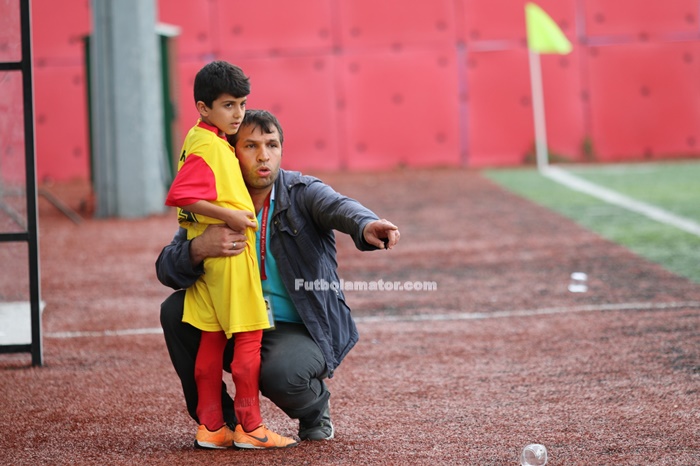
(543, 34)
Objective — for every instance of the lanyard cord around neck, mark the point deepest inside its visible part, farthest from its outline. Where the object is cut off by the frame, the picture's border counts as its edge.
(263, 236)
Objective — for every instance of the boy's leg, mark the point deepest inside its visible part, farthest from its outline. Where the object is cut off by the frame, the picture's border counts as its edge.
(292, 373)
(207, 374)
(182, 341)
(245, 372)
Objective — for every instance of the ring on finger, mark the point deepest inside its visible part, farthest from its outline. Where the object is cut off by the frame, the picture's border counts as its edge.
(234, 245)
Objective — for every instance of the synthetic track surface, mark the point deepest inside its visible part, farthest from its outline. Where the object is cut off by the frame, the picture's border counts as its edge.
(499, 356)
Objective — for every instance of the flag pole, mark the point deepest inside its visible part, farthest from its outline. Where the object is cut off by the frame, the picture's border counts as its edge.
(543, 36)
(538, 110)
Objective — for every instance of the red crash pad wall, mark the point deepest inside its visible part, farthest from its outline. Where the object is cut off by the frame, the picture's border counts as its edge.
(367, 85)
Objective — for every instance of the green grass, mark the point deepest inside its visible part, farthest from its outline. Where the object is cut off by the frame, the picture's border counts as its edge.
(672, 186)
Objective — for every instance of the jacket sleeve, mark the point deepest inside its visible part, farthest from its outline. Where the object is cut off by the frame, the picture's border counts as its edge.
(173, 266)
(333, 211)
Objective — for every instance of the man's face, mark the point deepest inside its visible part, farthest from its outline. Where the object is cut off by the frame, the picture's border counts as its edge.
(226, 113)
(260, 155)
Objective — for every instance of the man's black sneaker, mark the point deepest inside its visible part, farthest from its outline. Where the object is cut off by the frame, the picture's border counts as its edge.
(322, 430)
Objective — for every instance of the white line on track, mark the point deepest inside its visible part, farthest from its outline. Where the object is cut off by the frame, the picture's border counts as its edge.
(529, 312)
(613, 197)
(106, 333)
(431, 317)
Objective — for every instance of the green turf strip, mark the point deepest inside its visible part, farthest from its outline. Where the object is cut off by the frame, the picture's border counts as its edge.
(674, 187)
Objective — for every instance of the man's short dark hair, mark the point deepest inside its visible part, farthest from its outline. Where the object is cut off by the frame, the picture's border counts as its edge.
(262, 119)
(217, 78)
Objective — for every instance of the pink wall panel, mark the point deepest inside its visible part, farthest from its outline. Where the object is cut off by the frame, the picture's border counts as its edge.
(400, 109)
(640, 95)
(500, 128)
(59, 28)
(299, 91)
(61, 123)
(195, 21)
(641, 19)
(395, 23)
(246, 27)
(12, 147)
(504, 20)
(564, 105)
(344, 74)
(187, 112)
(10, 32)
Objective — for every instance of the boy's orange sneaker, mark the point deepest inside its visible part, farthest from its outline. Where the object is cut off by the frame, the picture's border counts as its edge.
(219, 439)
(262, 437)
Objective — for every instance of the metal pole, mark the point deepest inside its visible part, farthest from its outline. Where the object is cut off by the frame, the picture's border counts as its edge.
(127, 109)
(31, 195)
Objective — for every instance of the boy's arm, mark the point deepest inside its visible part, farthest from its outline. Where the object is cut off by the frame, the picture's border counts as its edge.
(194, 187)
(237, 220)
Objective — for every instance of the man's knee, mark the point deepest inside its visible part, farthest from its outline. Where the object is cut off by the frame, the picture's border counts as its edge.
(296, 392)
(281, 378)
(276, 378)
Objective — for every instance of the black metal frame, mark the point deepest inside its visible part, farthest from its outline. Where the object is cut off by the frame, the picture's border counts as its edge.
(31, 236)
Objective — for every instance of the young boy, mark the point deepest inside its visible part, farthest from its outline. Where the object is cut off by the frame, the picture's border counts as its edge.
(227, 301)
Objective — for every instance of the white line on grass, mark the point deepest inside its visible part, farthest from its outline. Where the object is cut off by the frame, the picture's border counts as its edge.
(613, 197)
(430, 317)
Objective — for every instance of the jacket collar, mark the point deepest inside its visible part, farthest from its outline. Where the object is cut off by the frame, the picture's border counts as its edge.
(285, 180)
(283, 185)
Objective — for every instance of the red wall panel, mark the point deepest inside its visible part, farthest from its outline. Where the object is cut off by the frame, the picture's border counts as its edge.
(299, 91)
(10, 32)
(500, 129)
(395, 23)
(564, 104)
(187, 112)
(344, 74)
(504, 20)
(400, 109)
(641, 19)
(246, 27)
(12, 140)
(58, 30)
(194, 18)
(644, 100)
(61, 123)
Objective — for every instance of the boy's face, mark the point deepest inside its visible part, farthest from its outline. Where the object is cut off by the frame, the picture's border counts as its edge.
(226, 113)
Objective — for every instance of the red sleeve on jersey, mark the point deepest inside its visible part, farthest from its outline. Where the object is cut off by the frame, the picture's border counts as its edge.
(194, 182)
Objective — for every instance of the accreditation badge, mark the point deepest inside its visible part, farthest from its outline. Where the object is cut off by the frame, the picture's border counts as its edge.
(270, 314)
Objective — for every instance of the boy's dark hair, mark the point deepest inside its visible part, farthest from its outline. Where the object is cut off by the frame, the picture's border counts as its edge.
(220, 77)
(262, 119)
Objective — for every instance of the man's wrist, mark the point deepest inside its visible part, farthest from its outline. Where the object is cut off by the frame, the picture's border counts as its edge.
(196, 257)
